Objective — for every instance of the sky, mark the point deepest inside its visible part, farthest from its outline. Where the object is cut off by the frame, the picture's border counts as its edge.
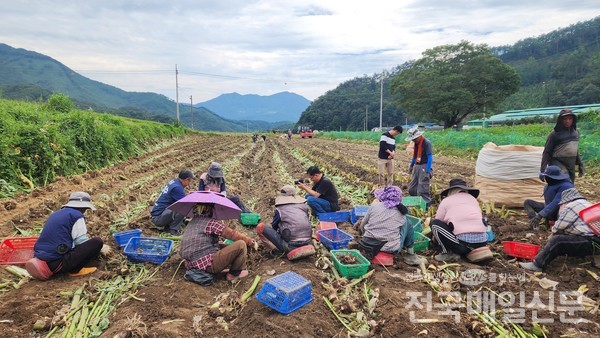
(264, 46)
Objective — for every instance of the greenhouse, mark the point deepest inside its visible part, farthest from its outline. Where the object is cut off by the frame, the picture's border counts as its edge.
(503, 118)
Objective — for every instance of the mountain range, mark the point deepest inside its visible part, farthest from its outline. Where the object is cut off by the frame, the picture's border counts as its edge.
(27, 75)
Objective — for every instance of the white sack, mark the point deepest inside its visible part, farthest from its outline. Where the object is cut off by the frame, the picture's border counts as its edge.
(510, 162)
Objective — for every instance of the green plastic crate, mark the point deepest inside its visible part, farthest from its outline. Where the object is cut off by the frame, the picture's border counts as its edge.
(351, 270)
(421, 242)
(416, 223)
(414, 201)
(249, 218)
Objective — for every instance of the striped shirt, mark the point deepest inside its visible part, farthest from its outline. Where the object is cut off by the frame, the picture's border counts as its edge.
(384, 224)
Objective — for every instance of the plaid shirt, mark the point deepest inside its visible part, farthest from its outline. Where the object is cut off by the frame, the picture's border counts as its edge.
(200, 241)
(473, 237)
(568, 221)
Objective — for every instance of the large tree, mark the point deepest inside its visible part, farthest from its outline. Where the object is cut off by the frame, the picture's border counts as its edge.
(451, 82)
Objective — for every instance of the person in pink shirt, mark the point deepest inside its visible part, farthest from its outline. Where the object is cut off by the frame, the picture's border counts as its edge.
(458, 225)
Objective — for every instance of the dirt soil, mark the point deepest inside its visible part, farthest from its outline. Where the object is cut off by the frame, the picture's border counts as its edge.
(125, 192)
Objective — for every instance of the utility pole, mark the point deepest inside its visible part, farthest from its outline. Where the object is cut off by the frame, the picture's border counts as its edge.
(177, 93)
(192, 111)
(366, 117)
(381, 105)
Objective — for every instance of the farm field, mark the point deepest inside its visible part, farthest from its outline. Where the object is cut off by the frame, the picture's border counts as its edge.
(165, 305)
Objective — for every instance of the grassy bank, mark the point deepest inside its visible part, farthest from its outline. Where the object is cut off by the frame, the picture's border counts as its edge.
(39, 143)
(467, 143)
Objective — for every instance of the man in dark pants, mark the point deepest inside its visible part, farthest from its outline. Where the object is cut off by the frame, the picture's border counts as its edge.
(172, 192)
(420, 165)
(322, 197)
(571, 236)
(63, 245)
(385, 157)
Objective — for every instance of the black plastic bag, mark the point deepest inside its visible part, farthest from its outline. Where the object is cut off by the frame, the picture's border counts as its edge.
(199, 277)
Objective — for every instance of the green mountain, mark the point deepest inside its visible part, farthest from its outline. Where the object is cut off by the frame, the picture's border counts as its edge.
(30, 76)
(560, 68)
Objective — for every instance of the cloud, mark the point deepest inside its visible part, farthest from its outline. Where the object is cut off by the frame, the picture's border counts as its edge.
(263, 46)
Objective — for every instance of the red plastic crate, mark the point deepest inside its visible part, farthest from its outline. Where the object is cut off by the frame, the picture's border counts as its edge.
(520, 250)
(591, 216)
(17, 250)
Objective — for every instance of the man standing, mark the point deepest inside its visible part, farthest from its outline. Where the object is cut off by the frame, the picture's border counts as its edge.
(172, 192)
(322, 197)
(420, 165)
(562, 146)
(385, 161)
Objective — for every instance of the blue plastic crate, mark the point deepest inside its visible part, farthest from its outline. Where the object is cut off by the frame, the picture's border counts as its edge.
(337, 216)
(416, 223)
(123, 237)
(334, 239)
(286, 292)
(147, 249)
(357, 212)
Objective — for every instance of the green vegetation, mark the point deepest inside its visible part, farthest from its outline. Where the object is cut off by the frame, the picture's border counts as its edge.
(560, 68)
(467, 143)
(39, 142)
(452, 82)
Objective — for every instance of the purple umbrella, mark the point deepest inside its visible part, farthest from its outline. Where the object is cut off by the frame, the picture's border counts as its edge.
(223, 208)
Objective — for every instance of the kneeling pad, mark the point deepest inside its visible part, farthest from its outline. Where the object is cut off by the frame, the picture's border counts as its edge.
(480, 254)
(301, 252)
(383, 258)
(38, 269)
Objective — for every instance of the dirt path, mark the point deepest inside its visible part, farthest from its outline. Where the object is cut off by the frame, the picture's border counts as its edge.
(125, 192)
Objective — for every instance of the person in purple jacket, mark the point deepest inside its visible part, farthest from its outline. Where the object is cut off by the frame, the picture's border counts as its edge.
(172, 192)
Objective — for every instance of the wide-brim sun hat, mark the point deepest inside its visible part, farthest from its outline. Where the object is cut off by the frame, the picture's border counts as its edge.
(554, 172)
(570, 195)
(390, 196)
(413, 133)
(459, 183)
(287, 195)
(215, 170)
(80, 199)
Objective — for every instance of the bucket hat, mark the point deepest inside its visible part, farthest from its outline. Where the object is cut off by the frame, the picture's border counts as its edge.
(413, 133)
(570, 195)
(461, 184)
(390, 196)
(287, 195)
(553, 171)
(80, 199)
(215, 170)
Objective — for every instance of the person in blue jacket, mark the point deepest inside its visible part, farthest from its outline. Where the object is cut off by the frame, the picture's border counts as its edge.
(63, 245)
(556, 183)
(172, 192)
(420, 165)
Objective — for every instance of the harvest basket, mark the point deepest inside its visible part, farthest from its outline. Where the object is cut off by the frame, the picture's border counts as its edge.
(520, 250)
(286, 292)
(358, 212)
(421, 242)
(337, 216)
(249, 218)
(17, 250)
(323, 226)
(146, 249)
(416, 223)
(350, 270)
(123, 237)
(414, 201)
(334, 238)
(591, 216)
